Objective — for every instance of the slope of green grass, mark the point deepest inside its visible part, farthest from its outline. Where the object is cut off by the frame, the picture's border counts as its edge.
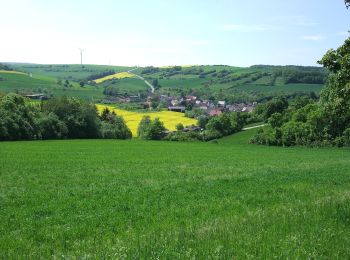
(203, 80)
(137, 199)
(128, 85)
(73, 72)
(12, 82)
(43, 83)
(288, 88)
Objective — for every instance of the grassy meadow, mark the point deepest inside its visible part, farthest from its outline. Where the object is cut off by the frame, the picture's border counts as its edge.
(167, 200)
(132, 119)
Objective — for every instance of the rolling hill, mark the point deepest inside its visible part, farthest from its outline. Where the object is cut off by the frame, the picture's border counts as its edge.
(218, 81)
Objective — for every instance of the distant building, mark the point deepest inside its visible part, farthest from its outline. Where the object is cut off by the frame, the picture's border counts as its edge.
(215, 112)
(221, 103)
(37, 96)
(177, 109)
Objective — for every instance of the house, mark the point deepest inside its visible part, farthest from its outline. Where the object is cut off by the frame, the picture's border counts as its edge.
(191, 98)
(174, 102)
(221, 103)
(177, 109)
(215, 112)
(134, 98)
(36, 96)
(247, 109)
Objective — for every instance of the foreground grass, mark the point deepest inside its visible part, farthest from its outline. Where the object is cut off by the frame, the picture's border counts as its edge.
(134, 199)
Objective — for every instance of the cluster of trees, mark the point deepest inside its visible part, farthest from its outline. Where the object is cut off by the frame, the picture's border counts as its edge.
(212, 127)
(111, 91)
(326, 122)
(100, 75)
(295, 74)
(150, 70)
(5, 67)
(149, 129)
(64, 117)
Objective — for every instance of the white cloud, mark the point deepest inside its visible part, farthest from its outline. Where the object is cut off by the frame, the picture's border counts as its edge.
(314, 37)
(244, 28)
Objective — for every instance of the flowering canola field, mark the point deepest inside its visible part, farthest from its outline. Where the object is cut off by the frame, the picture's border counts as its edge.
(132, 119)
(120, 75)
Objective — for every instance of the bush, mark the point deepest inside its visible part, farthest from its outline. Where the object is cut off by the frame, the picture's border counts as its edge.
(17, 119)
(51, 127)
(151, 129)
(113, 126)
(80, 117)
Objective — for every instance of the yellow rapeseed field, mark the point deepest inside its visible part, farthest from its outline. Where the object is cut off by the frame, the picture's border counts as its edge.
(119, 75)
(12, 72)
(132, 119)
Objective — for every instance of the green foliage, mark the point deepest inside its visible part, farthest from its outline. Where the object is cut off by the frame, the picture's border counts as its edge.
(113, 126)
(223, 125)
(316, 124)
(184, 136)
(80, 116)
(151, 129)
(180, 127)
(112, 91)
(335, 99)
(17, 119)
(51, 127)
(143, 128)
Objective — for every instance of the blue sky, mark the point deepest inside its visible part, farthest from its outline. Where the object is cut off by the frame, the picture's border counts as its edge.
(177, 32)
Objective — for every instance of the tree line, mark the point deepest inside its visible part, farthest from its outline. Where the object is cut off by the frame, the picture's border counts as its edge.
(57, 118)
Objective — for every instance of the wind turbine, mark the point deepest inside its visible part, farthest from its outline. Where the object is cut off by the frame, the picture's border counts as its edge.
(81, 56)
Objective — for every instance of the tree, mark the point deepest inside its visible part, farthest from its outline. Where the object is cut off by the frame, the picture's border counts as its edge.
(347, 3)
(80, 117)
(51, 127)
(17, 119)
(179, 127)
(143, 128)
(157, 129)
(113, 126)
(150, 129)
(335, 98)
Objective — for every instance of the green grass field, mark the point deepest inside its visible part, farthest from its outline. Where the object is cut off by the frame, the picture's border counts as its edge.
(39, 83)
(167, 200)
(252, 81)
(65, 71)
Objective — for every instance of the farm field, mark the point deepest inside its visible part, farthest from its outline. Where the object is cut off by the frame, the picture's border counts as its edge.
(21, 82)
(65, 71)
(143, 199)
(119, 75)
(132, 119)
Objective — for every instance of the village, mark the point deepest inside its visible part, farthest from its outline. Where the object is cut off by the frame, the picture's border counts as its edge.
(188, 103)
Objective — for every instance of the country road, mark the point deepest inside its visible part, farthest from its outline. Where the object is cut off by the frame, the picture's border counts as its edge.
(142, 78)
(252, 127)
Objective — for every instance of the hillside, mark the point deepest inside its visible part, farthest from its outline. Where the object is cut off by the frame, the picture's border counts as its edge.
(144, 199)
(242, 84)
(220, 82)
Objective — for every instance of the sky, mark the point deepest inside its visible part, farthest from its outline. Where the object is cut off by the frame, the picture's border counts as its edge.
(177, 32)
